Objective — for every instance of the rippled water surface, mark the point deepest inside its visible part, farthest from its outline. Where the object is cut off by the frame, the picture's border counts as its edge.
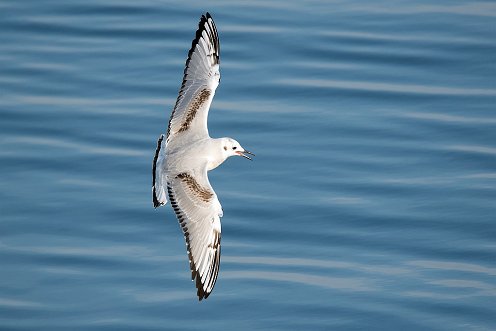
(371, 204)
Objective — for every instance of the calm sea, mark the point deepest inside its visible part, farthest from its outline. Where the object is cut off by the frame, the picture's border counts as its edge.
(371, 204)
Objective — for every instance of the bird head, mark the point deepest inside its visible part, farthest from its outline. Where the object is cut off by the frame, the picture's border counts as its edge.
(231, 147)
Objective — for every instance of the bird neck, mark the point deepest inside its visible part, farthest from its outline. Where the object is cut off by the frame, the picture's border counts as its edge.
(217, 155)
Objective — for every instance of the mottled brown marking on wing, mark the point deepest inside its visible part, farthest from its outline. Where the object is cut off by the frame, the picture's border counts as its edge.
(193, 107)
(203, 193)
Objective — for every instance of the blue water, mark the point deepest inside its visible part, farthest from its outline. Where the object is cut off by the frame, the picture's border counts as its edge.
(371, 204)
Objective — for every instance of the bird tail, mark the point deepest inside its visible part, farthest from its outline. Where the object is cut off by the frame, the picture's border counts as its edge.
(159, 182)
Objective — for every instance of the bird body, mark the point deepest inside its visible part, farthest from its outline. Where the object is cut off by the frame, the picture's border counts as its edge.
(186, 153)
(205, 152)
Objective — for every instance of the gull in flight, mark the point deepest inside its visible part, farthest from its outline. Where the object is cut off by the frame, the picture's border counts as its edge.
(186, 153)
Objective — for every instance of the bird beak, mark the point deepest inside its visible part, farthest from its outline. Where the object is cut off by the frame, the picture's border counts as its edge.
(243, 154)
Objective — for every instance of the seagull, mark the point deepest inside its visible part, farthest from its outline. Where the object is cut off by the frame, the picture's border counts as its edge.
(186, 153)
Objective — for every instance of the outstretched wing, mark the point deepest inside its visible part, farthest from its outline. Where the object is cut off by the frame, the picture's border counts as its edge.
(198, 211)
(201, 78)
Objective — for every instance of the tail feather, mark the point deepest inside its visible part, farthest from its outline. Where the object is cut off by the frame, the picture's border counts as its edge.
(158, 182)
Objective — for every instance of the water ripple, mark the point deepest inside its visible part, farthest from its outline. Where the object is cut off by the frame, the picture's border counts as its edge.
(370, 204)
(345, 283)
(387, 87)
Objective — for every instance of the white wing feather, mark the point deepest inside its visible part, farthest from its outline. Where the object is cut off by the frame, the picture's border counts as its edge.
(198, 211)
(201, 78)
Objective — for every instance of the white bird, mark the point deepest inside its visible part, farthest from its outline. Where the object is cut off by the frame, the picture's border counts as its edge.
(187, 153)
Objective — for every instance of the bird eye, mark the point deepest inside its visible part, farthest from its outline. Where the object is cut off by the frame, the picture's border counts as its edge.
(234, 147)
(225, 148)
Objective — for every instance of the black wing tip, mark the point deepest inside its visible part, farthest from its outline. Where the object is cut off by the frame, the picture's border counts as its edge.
(202, 294)
(195, 276)
(204, 20)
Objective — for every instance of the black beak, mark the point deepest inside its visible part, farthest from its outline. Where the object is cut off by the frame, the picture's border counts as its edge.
(243, 154)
